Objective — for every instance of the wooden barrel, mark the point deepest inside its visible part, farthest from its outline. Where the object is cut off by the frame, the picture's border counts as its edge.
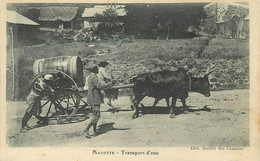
(70, 65)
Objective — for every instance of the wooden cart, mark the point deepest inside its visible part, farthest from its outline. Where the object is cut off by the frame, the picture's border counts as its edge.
(68, 86)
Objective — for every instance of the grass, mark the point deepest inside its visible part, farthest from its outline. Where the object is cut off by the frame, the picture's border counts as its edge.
(226, 49)
(155, 49)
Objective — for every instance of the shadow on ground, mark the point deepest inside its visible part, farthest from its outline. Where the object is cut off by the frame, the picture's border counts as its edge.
(104, 128)
(116, 109)
(165, 110)
(81, 115)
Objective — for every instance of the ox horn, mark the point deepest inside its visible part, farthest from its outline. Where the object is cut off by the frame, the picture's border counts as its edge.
(211, 70)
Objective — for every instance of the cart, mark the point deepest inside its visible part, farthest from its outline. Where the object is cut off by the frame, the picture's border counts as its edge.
(68, 86)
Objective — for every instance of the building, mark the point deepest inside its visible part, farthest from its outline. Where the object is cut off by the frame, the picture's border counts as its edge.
(19, 31)
(230, 19)
(89, 14)
(20, 28)
(53, 18)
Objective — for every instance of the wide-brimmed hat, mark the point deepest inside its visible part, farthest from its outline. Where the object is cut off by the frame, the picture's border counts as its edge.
(94, 69)
(48, 77)
(89, 65)
(103, 63)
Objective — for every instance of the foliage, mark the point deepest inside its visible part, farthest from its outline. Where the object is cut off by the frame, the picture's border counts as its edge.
(108, 16)
(209, 26)
(109, 23)
(147, 20)
(161, 21)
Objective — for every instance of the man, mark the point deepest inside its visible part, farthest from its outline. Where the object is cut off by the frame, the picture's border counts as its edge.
(40, 89)
(94, 98)
(105, 78)
(86, 84)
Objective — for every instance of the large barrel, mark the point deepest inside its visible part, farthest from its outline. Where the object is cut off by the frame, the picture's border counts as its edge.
(70, 65)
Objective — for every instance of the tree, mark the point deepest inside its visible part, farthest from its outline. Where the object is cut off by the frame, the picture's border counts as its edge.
(109, 22)
(169, 20)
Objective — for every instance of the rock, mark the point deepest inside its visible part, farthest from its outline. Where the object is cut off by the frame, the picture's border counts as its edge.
(222, 81)
(218, 74)
(213, 87)
(223, 86)
(213, 80)
(125, 75)
(240, 81)
(222, 60)
(231, 85)
(217, 85)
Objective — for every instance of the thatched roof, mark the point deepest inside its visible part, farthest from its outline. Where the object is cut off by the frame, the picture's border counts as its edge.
(237, 4)
(57, 13)
(91, 12)
(247, 17)
(226, 11)
(15, 18)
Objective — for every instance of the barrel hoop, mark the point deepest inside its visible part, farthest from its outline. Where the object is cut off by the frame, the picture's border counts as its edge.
(70, 65)
(41, 65)
(35, 67)
(73, 63)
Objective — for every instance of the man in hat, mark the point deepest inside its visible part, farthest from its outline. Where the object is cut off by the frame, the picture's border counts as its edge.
(94, 98)
(87, 72)
(41, 88)
(105, 78)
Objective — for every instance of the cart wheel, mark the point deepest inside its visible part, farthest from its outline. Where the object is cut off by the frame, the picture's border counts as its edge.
(64, 103)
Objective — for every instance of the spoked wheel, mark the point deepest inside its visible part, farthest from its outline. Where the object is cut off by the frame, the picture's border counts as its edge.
(64, 103)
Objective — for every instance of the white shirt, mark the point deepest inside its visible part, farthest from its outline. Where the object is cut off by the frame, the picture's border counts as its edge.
(102, 75)
(86, 84)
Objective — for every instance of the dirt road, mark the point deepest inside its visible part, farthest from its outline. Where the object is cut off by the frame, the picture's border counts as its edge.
(219, 120)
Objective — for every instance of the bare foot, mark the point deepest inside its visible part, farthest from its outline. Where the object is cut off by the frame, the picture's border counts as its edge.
(172, 115)
(23, 130)
(87, 134)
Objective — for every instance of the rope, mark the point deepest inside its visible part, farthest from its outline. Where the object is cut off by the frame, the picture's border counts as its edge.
(189, 82)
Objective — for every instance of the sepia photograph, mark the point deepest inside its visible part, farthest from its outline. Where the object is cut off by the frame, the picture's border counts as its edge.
(128, 75)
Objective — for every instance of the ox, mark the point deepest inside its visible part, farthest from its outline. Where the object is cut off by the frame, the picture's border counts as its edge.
(166, 84)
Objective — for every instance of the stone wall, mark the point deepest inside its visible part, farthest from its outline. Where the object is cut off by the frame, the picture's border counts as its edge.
(230, 74)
